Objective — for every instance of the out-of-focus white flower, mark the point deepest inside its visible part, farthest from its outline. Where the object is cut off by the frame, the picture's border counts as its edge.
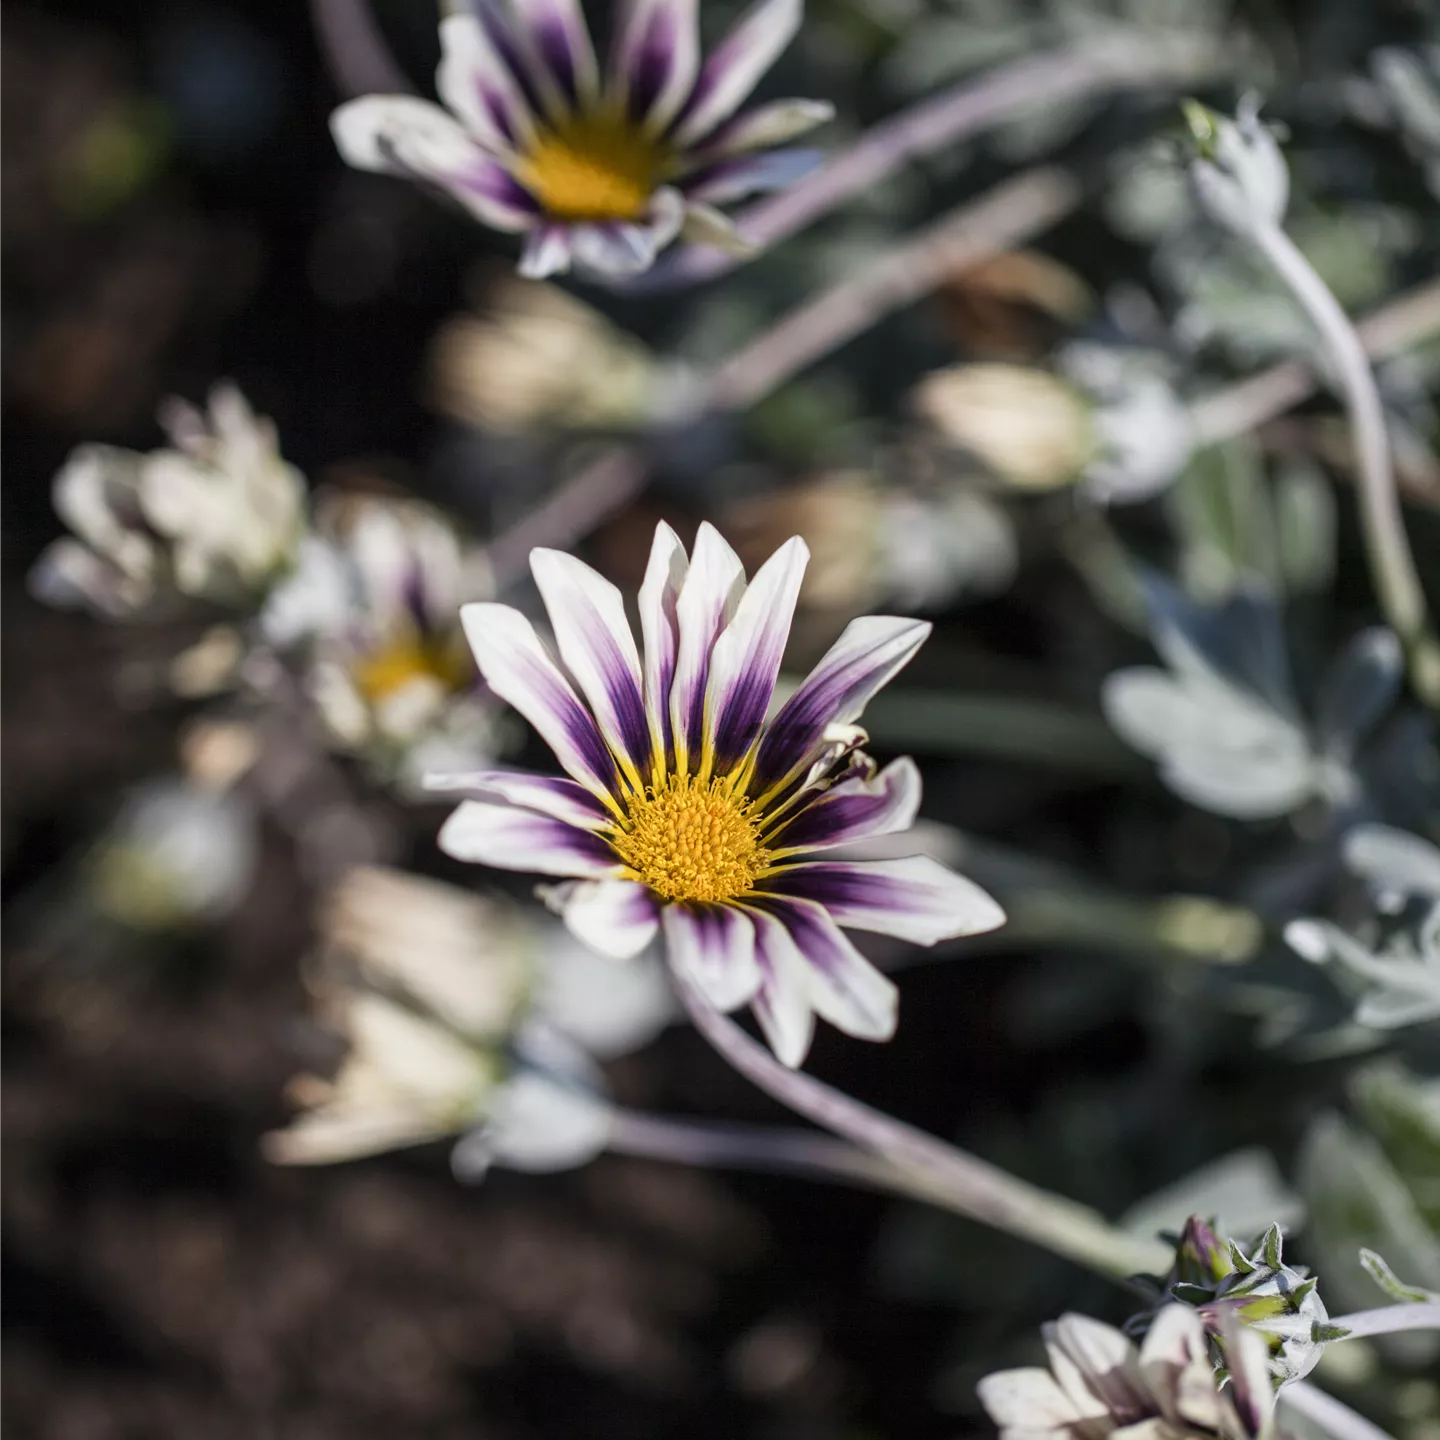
(1393, 963)
(1099, 1384)
(1231, 738)
(1240, 177)
(373, 606)
(1109, 421)
(217, 518)
(179, 854)
(462, 1014)
(539, 358)
(602, 170)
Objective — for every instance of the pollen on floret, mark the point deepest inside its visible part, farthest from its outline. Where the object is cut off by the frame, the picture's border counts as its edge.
(689, 839)
(593, 167)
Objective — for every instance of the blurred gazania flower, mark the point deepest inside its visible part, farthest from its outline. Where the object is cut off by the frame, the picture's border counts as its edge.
(602, 170)
(462, 1015)
(685, 811)
(1222, 722)
(1393, 963)
(1099, 1384)
(539, 358)
(373, 603)
(215, 519)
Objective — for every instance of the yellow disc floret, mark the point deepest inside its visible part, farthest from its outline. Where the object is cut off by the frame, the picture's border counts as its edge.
(689, 839)
(408, 657)
(593, 167)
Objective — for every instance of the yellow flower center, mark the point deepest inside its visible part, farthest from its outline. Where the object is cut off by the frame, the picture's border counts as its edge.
(693, 840)
(593, 167)
(407, 658)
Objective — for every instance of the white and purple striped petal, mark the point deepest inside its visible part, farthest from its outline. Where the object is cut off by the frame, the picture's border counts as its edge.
(735, 66)
(660, 628)
(746, 659)
(479, 86)
(709, 597)
(714, 946)
(546, 253)
(518, 668)
(915, 899)
(656, 59)
(782, 1004)
(587, 614)
(561, 39)
(845, 988)
(545, 794)
(402, 135)
(857, 809)
(867, 656)
(513, 839)
(618, 918)
(625, 247)
(764, 126)
(725, 180)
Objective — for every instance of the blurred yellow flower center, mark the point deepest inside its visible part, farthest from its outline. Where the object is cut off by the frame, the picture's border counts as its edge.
(693, 840)
(408, 658)
(593, 167)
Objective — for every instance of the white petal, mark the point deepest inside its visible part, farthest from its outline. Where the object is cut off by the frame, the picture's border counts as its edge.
(547, 794)
(714, 947)
(915, 899)
(864, 808)
(587, 613)
(657, 58)
(513, 839)
(782, 1004)
(660, 628)
(540, 1124)
(518, 668)
(764, 126)
(705, 225)
(475, 82)
(1027, 1402)
(735, 66)
(547, 252)
(617, 918)
(608, 1009)
(746, 658)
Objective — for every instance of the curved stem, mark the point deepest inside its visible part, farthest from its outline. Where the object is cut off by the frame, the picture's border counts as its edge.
(1334, 1418)
(969, 108)
(949, 1176)
(355, 51)
(1397, 582)
(1389, 1319)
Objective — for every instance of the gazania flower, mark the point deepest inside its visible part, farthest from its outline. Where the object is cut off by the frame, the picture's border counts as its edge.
(607, 169)
(686, 813)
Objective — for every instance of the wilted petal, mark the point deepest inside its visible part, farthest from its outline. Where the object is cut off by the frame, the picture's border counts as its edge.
(746, 658)
(735, 66)
(519, 670)
(547, 794)
(477, 84)
(617, 918)
(749, 175)
(858, 809)
(782, 1004)
(401, 135)
(657, 57)
(513, 839)
(868, 655)
(915, 899)
(709, 596)
(845, 988)
(713, 946)
(587, 614)
(660, 628)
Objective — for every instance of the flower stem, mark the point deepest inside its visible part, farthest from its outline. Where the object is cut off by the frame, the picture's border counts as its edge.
(1389, 1319)
(360, 62)
(1334, 1418)
(940, 1172)
(1397, 582)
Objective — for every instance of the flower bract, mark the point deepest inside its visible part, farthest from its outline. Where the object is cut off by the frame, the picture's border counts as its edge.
(685, 812)
(604, 169)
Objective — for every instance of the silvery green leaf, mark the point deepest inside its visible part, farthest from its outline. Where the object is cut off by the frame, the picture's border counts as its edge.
(1380, 1272)
(1393, 861)
(1360, 686)
(1243, 1191)
(1305, 529)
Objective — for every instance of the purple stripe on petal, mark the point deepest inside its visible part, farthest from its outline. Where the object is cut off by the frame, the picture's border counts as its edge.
(552, 40)
(502, 38)
(513, 839)
(547, 794)
(649, 67)
(844, 986)
(714, 946)
(915, 899)
(736, 65)
(660, 628)
(857, 809)
(866, 657)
